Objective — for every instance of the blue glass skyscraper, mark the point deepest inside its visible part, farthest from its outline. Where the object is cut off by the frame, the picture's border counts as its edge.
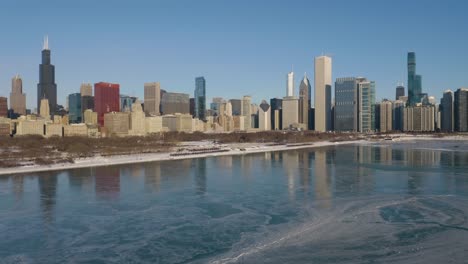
(200, 98)
(414, 81)
(74, 108)
(346, 107)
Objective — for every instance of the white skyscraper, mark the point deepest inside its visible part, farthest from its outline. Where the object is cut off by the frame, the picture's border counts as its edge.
(290, 85)
(323, 80)
(152, 98)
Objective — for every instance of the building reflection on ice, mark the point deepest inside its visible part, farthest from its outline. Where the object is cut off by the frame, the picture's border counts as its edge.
(107, 182)
(322, 179)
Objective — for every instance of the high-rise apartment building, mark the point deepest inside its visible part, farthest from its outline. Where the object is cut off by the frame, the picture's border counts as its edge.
(17, 97)
(200, 98)
(47, 88)
(366, 105)
(446, 112)
(322, 82)
(172, 103)
(74, 108)
(290, 84)
(247, 111)
(398, 110)
(152, 98)
(414, 81)
(461, 110)
(106, 99)
(386, 116)
(304, 101)
(419, 118)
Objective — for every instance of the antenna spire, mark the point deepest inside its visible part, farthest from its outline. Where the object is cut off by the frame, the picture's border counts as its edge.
(46, 43)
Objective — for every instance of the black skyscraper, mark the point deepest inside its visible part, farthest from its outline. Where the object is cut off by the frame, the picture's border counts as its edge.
(400, 91)
(46, 88)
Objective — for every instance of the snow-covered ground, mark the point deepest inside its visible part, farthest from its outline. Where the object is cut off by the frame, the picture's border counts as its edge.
(234, 149)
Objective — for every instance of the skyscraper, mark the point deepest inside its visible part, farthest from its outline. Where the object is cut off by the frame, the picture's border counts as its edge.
(386, 118)
(86, 89)
(247, 111)
(264, 116)
(87, 98)
(215, 105)
(398, 109)
(17, 97)
(346, 106)
(399, 91)
(74, 108)
(152, 98)
(322, 82)
(236, 106)
(125, 103)
(276, 105)
(366, 105)
(106, 99)
(304, 101)
(3, 106)
(414, 81)
(461, 110)
(446, 112)
(290, 84)
(200, 98)
(47, 88)
(172, 103)
(290, 116)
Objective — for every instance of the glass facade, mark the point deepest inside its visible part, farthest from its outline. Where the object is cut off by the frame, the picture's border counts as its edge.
(446, 112)
(345, 104)
(74, 108)
(414, 81)
(125, 103)
(366, 106)
(200, 98)
(400, 91)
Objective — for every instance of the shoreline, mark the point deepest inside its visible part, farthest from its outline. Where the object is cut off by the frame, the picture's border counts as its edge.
(100, 161)
(230, 149)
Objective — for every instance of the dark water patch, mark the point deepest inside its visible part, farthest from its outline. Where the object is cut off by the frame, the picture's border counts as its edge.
(218, 210)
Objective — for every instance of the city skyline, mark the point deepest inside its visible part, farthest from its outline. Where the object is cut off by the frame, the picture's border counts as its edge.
(262, 79)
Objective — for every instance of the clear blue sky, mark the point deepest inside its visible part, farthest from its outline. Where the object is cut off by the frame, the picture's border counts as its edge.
(241, 47)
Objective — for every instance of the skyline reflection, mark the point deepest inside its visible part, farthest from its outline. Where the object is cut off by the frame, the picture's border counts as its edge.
(318, 173)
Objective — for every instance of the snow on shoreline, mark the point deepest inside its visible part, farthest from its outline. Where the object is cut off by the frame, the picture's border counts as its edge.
(230, 149)
(234, 149)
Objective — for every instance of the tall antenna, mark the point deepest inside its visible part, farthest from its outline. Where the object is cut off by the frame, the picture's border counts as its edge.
(46, 43)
